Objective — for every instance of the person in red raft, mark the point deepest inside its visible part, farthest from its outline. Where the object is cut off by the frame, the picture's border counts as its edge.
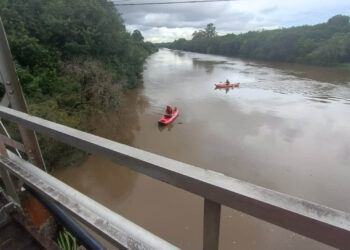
(169, 117)
(169, 111)
(227, 82)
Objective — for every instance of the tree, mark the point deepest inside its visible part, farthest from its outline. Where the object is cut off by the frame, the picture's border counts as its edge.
(200, 34)
(339, 20)
(322, 44)
(89, 38)
(210, 30)
(137, 36)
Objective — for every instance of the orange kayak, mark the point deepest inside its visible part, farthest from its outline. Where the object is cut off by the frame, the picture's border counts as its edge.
(167, 119)
(231, 85)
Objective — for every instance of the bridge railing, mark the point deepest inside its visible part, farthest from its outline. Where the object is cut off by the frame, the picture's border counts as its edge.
(321, 223)
(113, 227)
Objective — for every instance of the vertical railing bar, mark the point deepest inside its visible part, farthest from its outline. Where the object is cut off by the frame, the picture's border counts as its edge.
(211, 226)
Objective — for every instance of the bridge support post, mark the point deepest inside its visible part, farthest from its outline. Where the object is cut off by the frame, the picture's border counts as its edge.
(14, 98)
(14, 94)
(211, 228)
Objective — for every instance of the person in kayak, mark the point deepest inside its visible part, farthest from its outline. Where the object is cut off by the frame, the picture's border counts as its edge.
(227, 82)
(169, 111)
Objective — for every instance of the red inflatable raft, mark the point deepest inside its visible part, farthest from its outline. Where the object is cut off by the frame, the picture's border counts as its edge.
(231, 85)
(167, 119)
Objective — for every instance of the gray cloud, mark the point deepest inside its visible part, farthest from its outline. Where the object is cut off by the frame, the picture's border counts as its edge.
(268, 10)
(173, 16)
(169, 22)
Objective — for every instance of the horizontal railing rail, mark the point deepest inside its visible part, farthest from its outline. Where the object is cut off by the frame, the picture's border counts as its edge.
(110, 225)
(321, 223)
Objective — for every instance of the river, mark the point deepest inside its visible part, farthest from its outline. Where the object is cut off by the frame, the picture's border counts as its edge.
(287, 128)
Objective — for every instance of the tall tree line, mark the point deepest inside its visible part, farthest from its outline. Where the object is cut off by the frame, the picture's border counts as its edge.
(325, 44)
(73, 58)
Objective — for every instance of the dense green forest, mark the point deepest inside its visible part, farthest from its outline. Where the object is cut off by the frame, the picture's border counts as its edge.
(322, 44)
(74, 58)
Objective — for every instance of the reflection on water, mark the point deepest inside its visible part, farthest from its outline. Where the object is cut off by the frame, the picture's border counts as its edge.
(179, 53)
(167, 128)
(108, 183)
(207, 65)
(286, 128)
(226, 90)
(332, 75)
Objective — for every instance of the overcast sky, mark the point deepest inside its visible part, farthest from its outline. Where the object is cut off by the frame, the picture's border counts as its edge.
(163, 23)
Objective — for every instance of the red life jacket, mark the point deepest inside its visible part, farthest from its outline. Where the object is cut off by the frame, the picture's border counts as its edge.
(168, 110)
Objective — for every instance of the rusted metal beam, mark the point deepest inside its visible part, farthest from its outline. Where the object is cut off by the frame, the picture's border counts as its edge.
(312, 220)
(16, 98)
(97, 217)
(40, 237)
(211, 226)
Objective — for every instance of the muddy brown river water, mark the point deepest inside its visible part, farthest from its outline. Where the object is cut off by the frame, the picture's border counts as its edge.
(287, 128)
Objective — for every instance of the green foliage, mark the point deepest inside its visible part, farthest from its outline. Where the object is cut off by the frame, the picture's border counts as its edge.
(197, 35)
(345, 65)
(98, 86)
(54, 152)
(330, 52)
(66, 240)
(137, 36)
(323, 44)
(43, 33)
(72, 58)
(339, 23)
(209, 32)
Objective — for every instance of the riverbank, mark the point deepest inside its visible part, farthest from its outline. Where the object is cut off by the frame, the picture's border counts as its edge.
(71, 66)
(326, 44)
(345, 65)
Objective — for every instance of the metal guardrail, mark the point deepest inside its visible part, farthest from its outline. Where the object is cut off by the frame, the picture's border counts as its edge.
(312, 220)
(112, 226)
